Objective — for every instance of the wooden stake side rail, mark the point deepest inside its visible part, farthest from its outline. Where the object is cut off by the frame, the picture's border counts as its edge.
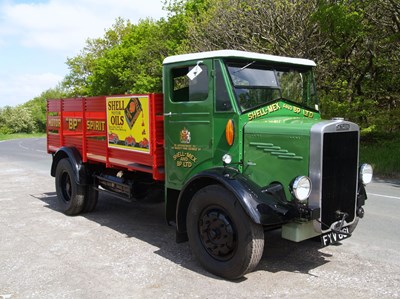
(82, 123)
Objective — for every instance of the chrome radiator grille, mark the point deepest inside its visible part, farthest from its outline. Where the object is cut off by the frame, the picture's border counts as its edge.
(334, 171)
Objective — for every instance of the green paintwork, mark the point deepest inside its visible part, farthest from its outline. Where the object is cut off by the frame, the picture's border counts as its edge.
(207, 131)
(276, 148)
(272, 141)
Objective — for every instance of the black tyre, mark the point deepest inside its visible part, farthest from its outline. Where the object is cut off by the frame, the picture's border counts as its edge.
(91, 199)
(221, 235)
(71, 196)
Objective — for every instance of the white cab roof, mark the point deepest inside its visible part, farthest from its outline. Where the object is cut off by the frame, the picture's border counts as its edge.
(238, 54)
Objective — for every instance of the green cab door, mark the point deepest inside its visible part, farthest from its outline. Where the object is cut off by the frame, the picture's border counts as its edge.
(188, 111)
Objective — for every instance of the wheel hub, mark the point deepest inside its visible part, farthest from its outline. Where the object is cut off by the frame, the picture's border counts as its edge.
(67, 188)
(217, 234)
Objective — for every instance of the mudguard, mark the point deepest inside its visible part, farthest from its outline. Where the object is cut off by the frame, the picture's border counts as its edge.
(361, 195)
(80, 171)
(262, 207)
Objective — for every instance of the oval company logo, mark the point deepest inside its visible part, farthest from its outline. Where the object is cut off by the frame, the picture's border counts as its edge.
(342, 127)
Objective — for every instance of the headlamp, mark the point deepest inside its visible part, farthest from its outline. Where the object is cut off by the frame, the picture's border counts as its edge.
(366, 173)
(301, 187)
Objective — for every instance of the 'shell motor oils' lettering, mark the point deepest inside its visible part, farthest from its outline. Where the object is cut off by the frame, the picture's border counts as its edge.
(114, 107)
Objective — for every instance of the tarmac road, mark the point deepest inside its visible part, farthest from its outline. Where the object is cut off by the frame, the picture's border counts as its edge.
(124, 250)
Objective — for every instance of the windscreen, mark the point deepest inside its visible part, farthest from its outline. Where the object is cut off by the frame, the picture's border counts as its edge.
(256, 83)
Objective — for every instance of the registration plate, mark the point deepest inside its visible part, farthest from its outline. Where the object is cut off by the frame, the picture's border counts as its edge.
(332, 237)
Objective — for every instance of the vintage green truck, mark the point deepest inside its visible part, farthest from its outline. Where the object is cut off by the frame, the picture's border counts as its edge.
(235, 143)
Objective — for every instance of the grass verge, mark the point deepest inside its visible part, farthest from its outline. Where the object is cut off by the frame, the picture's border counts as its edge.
(21, 135)
(383, 153)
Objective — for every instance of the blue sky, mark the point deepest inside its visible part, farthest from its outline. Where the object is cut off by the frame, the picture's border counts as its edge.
(37, 36)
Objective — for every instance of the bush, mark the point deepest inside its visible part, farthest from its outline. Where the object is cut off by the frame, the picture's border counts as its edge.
(16, 120)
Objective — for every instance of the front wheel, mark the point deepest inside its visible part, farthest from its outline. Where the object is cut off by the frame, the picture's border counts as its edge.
(221, 235)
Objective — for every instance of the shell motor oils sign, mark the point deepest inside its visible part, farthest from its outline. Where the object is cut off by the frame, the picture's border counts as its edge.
(128, 123)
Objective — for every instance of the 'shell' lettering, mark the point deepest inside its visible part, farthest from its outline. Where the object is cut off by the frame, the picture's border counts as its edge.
(116, 105)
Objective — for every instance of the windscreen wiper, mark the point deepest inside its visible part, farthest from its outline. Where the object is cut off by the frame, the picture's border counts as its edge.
(241, 69)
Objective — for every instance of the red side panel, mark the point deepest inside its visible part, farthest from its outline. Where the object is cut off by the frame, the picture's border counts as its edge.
(82, 123)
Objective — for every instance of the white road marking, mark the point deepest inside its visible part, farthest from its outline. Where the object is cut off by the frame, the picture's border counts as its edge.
(23, 147)
(380, 195)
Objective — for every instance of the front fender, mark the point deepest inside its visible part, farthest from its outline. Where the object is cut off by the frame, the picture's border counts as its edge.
(361, 195)
(263, 208)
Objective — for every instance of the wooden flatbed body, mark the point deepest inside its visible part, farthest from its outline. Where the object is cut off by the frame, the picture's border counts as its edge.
(123, 132)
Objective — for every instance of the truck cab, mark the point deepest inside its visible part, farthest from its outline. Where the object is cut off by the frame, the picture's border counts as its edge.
(245, 129)
(237, 96)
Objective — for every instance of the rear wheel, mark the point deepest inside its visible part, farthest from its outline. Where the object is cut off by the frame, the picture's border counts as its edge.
(221, 235)
(91, 198)
(71, 196)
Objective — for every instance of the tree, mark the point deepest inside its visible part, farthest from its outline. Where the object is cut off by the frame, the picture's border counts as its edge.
(355, 45)
(82, 65)
(360, 75)
(277, 27)
(37, 106)
(180, 19)
(128, 59)
(134, 65)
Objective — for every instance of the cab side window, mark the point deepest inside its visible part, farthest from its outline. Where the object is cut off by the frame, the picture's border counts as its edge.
(186, 90)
